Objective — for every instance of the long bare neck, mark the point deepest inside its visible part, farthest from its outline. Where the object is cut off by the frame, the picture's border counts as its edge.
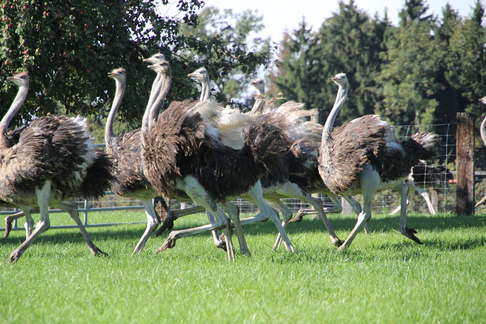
(205, 90)
(159, 102)
(156, 85)
(14, 107)
(338, 103)
(120, 91)
(482, 131)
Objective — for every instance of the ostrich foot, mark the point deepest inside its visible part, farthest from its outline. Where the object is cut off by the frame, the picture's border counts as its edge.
(8, 228)
(168, 244)
(97, 252)
(410, 233)
(167, 224)
(15, 256)
(337, 243)
(298, 217)
(222, 243)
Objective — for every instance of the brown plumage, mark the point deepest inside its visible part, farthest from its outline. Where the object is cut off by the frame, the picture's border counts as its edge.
(178, 155)
(49, 165)
(364, 156)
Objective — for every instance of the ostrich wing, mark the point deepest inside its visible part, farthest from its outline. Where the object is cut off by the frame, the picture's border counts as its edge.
(355, 144)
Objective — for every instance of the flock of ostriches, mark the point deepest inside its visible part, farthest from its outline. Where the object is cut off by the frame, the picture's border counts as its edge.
(199, 151)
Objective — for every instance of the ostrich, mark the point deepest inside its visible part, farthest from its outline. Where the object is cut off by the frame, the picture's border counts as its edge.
(363, 156)
(125, 150)
(181, 159)
(53, 161)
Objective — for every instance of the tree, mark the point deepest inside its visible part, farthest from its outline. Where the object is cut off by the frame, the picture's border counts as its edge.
(407, 79)
(347, 42)
(296, 67)
(69, 48)
(236, 34)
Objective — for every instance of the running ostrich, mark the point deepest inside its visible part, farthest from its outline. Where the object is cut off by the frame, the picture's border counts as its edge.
(125, 150)
(53, 161)
(363, 157)
(182, 160)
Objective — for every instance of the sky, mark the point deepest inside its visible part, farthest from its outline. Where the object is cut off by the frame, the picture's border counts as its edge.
(281, 15)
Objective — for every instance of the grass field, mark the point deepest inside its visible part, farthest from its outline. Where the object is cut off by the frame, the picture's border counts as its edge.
(382, 278)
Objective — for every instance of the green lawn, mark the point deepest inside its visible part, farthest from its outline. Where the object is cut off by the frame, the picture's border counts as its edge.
(382, 278)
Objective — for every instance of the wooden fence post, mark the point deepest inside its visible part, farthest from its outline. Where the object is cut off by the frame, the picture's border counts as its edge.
(465, 164)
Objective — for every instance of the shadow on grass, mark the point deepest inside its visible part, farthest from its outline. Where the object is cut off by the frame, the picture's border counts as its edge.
(385, 224)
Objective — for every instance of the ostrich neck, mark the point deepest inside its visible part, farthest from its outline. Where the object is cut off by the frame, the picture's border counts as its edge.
(153, 95)
(109, 135)
(159, 102)
(338, 103)
(482, 131)
(205, 93)
(14, 107)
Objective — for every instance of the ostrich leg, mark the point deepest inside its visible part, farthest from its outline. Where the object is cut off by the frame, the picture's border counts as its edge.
(408, 232)
(43, 225)
(11, 218)
(256, 196)
(73, 213)
(152, 222)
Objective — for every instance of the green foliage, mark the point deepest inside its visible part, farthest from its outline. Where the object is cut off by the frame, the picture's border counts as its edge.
(422, 72)
(236, 50)
(407, 80)
(69, 47)
(347, 42)
(382, 276)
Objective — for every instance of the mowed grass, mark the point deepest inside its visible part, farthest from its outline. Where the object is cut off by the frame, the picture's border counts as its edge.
(382, 278)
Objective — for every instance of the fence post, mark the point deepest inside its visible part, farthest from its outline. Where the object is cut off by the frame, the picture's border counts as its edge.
(465, 164)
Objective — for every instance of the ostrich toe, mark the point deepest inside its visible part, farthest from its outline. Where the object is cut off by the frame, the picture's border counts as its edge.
(167, 224)
(8, 228)
(410, 233)
(298, 217)
(168, 244)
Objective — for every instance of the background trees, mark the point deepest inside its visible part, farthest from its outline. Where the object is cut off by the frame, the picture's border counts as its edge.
(69, 47)
(422, 71)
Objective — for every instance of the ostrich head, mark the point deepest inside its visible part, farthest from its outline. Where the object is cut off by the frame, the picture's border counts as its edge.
(118, 74)
(200, 74)
(20, 79)
(340, 79)
(155, 58)
(259, 83)
(161, 67)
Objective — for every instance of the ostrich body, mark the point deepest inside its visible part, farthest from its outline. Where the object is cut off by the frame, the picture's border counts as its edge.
(53, 161)
(180, 157)
(363, 157)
